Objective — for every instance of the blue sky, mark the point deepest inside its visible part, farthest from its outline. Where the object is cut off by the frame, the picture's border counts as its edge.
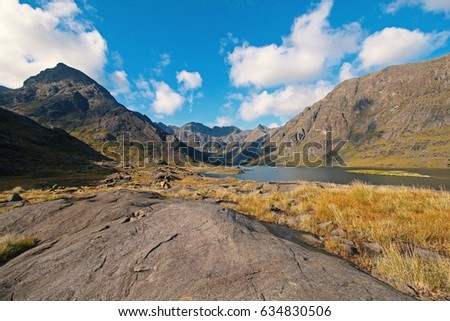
(223, 62)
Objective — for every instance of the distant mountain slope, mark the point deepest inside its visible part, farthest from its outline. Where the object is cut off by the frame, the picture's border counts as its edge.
(27, 147)
(165, 128)
(4, 90)
(399, 116)
(202, 134)
(67, 98)
(221, 145)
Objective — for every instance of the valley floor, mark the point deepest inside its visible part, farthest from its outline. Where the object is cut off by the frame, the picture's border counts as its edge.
(400, 235)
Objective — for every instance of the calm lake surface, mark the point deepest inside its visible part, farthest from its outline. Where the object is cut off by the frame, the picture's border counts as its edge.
(439, 178)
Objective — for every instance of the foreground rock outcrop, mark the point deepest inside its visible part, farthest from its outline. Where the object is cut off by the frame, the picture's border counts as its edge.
(127, 245)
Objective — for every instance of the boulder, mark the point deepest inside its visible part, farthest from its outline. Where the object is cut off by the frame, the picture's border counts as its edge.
(162, 176)
(373, 249)
(325, 225)
(347, 246)
(342, 240)
(338, 232)
(310, 239)
(349, 250)
(15, 197)
(426, 255)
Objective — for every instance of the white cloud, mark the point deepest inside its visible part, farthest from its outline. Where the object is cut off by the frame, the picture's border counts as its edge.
(163, 63)
(117, 59)
(119, 82)
(62, 8)
(426, 5)
(33, 39)
(165, 59)
(144, 90)
(228, 105)
(189, 80)
(396, 45)
(224, 42)
(223, 121)
(346, 72)
(311, 47)
(235, 96)
(167, 101)
(273, 125)
(286, 101)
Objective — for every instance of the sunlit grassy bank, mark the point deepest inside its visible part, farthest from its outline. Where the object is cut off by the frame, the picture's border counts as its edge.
(386, 172)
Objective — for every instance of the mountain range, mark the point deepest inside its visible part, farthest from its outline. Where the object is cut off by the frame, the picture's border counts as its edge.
(197, 134)
(399, 117)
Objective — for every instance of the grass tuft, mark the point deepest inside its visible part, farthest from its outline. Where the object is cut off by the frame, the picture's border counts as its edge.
(423, 276)
(12, 246)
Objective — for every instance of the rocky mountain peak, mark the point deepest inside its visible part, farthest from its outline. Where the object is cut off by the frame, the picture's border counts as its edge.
(196, 128)
(59, 73)
(224, 130)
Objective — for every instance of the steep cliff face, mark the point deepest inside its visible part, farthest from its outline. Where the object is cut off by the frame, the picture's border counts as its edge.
(399, 116)
(66, 98)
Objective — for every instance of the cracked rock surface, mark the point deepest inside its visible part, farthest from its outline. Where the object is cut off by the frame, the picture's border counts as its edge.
(127, 245)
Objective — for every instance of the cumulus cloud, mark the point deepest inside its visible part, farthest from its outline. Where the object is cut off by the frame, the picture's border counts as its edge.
(273, 125)
(397, 45)
(223, 121)
(347, 71)
(62, 8)
(166, 100)
(119, 82)
(304, 55)
(285, 101)
(144, 90)
(33, 39)
(189, 80)
(426, 5)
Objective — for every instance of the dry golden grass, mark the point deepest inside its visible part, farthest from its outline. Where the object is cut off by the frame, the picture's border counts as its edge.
(12, 246)
(423, 276)
(386, 215)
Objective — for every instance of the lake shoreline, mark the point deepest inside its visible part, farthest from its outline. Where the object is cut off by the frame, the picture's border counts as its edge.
(437, 179)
